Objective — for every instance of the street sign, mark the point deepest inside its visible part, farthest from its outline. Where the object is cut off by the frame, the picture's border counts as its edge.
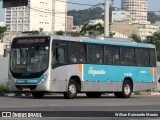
(14, 3)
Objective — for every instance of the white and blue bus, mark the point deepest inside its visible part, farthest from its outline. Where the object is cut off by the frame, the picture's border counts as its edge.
(48, 63)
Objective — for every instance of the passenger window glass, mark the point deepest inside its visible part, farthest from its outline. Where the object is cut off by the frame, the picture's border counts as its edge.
(127, 56)
(139, 57)
(78, 53)
(145, 57)
(95, 54)
(116, 55)
(108, 57)
(152, 58)
(59, 53)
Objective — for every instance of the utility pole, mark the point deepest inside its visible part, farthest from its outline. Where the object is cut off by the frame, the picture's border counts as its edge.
(106, 19)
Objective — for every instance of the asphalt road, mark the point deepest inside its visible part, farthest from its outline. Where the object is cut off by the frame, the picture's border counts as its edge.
(81, 103)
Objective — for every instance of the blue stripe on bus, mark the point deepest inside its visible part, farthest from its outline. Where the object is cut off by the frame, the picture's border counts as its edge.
(29, 80)
(106, 73)
(131, 44)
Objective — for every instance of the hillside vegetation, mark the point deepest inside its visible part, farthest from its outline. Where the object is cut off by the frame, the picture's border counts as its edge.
(81, 16)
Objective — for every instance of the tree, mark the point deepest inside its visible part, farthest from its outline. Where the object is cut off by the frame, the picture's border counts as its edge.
(157, 35)
(153, 17)
(94, 30)
(2, 30)
(81, 16)
(135, 37)
(155, 39)
(60, 32)
(34, 32)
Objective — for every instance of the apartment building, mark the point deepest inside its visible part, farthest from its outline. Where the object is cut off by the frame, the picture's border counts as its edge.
(119, 16)
(147, 30)
(137, 8)
(69, 23)
(46, 14)
(96, 21)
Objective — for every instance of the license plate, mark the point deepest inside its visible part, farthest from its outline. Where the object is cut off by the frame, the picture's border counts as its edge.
(26, 89)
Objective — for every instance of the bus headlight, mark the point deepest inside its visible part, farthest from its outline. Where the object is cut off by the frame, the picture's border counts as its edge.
(44, 78)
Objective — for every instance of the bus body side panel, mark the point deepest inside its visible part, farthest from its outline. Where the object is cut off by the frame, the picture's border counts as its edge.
(60, 77)
(110, 78)
(146, 78)
(139, 86)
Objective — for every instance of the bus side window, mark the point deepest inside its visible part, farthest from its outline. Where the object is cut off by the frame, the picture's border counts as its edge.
(78, 53)
(139, 57)
(127, 56)
(116, 55)
(59, 54)
(152, 58)
(95, 54)
(108, 58)
(146, 57)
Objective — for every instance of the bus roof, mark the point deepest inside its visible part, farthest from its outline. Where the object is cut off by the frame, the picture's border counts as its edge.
(97, 40)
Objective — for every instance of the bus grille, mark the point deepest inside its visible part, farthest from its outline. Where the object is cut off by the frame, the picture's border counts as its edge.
(21, 87)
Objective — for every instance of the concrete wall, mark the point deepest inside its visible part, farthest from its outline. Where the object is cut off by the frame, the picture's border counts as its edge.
(3, 65)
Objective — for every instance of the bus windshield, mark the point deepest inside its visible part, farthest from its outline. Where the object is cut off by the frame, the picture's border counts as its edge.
(32, 58)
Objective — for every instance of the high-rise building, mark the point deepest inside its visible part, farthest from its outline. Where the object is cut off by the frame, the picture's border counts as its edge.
(46, 14)
(137, 8)
(69, 23)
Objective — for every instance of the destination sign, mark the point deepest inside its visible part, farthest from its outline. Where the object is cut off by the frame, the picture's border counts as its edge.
(30, 41)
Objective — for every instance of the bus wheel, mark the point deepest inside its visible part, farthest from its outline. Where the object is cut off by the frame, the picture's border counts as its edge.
(126, 89)
(93, 94)
(38, 94)
(72, 90)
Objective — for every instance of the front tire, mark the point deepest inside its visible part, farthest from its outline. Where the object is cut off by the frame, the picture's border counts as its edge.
(72, 90)
(38, 94)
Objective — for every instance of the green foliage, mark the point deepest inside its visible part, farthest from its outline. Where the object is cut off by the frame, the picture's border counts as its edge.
(22, 93)
(94, 30)
(135, 37)
(81, 16)
(111, 34)
(137, 93)
(60, 32)
(3, 29)
(152, 17)
(34, 32)
(155, 39)
(3, 89)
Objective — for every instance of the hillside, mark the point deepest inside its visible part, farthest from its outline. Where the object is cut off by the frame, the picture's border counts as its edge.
(152, 17)
(81, 16)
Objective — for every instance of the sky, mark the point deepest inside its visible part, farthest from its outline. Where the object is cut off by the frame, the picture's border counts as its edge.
(153, 5)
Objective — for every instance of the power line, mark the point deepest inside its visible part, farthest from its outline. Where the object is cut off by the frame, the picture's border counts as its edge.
(75, 3)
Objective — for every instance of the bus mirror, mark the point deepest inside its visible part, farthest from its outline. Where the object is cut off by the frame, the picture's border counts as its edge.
(6, 50)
